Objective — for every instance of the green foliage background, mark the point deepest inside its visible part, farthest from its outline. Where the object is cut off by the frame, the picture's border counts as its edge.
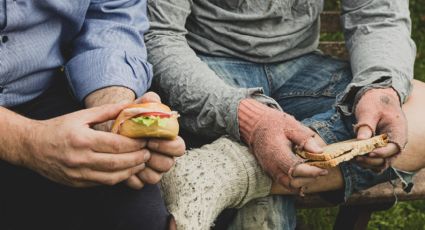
(404, 215)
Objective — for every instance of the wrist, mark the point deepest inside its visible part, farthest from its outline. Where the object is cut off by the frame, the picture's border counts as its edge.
(31, 137)
(250, 112)
(377, 92)
(109, 95)
(19, 130)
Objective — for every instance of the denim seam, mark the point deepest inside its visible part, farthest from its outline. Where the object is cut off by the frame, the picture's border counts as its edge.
(269, 79)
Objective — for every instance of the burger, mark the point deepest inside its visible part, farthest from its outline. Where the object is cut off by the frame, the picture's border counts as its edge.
(147, 120)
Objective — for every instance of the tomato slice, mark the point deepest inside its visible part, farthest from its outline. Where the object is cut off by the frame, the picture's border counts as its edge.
(155, 114)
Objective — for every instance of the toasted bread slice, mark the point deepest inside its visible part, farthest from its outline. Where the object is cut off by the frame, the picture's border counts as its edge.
(336, 150)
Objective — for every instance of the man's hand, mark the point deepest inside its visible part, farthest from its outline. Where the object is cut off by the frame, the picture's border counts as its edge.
(162, 152)
(68, 151)
(272, 134)
(379, 111)
(109, 95)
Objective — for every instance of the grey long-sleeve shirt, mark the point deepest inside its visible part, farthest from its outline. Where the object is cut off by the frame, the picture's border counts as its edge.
(377, 34)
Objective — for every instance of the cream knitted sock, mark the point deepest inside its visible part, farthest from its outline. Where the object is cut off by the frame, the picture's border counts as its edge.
(207, 180)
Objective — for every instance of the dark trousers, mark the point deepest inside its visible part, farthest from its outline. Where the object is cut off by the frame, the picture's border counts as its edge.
(30, 201)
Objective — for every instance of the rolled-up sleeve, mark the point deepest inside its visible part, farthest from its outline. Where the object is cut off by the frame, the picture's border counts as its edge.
(381, 51)
(110, 49)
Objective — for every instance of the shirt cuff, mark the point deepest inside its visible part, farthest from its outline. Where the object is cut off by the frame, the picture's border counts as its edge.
(352, 94)
(97, 69)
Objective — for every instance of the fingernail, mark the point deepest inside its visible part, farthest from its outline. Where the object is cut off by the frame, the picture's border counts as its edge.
(361, 136)
(140, 167)
(315, 147)
(147, 155)
(324, 172)
(141, 176)
(142, 143)
(372, 154)
(153, 144)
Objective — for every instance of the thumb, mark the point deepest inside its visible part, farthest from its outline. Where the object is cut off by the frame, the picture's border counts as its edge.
(364, 132)
(148, 97)
(367, 120)
(102, 113)
(305, 170)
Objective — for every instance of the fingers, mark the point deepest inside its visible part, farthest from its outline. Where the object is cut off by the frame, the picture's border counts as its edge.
(386, 151)
(376, 160)
(105, 126)
(312, 146)
(149, 176)
(114, 162)
(303, 137)
(148, 97)
(305, 170)
(174, 147)
(160, 162)
(367, 120)
(364, 132)
(294, 183)
(112, 143)
(105, 178)
(134, 182)
(100, 114)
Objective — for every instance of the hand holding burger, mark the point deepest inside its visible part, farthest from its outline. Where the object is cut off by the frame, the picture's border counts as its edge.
(155, 121)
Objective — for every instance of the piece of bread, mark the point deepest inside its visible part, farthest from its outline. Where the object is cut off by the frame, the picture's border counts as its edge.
(336, 153)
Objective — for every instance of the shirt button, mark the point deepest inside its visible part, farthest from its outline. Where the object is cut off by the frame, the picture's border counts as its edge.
(4, 38)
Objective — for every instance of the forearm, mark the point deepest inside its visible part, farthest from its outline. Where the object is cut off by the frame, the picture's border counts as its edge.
(109, 95)
(332, 181)
(381, 50)
(208, 105)
(16, 130)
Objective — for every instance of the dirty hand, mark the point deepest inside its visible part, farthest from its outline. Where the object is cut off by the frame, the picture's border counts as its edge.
(68, 151)
(271, 135)
(379, 111)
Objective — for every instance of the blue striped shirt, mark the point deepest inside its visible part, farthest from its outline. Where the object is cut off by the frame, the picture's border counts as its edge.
(99, 44)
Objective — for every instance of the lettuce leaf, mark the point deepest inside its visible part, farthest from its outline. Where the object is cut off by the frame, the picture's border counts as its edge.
(148, 121)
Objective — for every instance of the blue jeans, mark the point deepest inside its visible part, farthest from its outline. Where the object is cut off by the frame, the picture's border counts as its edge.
(307, 87)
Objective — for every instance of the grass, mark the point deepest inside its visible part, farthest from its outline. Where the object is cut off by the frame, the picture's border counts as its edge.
(404, 215)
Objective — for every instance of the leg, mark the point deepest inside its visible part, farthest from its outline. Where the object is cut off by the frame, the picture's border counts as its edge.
(207, 180)
(29, 201)
(268, 211)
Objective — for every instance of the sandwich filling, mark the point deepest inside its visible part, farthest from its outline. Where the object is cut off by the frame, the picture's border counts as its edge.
(144, 116)
(148, 119)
